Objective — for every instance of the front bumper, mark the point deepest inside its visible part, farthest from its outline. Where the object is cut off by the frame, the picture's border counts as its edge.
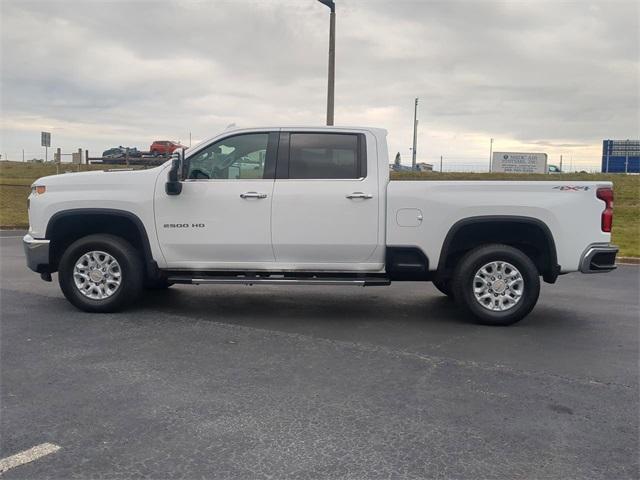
(37, 253)
(599, 258)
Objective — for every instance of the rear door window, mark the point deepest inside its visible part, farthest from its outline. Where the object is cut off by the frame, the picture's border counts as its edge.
(326, 155)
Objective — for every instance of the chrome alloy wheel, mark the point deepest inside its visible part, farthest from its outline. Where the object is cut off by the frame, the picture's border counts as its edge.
(498, 286)
(97, 275)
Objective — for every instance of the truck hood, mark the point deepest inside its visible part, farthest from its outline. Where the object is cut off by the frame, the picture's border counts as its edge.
(130, 191)
(101, 178)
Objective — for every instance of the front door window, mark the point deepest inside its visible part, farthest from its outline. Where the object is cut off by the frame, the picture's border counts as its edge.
(241, 157)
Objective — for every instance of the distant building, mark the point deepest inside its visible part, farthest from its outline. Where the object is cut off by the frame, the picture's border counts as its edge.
(394, 167)
(621, 156)
(420, 167)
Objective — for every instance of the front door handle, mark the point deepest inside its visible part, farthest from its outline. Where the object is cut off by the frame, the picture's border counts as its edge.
(360, 195)
(253, 195)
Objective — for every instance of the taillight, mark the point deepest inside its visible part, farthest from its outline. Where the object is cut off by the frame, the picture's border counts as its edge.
(606, 195)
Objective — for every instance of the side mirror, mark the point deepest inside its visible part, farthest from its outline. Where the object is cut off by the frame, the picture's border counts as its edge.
(174, 184)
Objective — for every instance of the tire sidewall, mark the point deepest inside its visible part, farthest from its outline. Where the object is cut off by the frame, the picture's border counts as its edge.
(479, 257)
(125, 255)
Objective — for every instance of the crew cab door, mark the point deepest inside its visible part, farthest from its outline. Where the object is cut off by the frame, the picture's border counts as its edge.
(326, 202)
(222, 218)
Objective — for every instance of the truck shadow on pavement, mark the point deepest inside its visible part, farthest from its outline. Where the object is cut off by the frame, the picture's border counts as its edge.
(267, 307)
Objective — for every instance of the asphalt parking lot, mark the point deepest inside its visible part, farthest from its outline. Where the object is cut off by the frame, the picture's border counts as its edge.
(304, 382)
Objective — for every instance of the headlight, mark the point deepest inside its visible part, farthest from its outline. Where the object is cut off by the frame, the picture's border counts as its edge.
(38, 189)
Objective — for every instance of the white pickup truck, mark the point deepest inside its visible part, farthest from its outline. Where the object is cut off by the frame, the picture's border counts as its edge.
(312, 206)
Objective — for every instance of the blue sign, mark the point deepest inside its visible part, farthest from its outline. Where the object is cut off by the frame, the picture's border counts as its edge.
(621, 156)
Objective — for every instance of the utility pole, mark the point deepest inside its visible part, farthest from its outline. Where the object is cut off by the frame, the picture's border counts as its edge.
(415, 135)
(189, 139)
(23, 154)
(440, 163)
(561, 163)
(490, 154)
(332, 59)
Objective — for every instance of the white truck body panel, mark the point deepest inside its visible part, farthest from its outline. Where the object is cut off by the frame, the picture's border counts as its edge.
(310, 224)
(315, 225)
(302, 224)
(233, 229)
(572, 215)
(124, 190)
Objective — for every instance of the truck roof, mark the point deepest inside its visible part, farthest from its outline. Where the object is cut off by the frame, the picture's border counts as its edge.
(378, 132)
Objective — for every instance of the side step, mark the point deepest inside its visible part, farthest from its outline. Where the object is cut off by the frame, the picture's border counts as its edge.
(197, 278)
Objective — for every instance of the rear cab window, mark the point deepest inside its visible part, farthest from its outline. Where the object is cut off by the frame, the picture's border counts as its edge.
(319, 155)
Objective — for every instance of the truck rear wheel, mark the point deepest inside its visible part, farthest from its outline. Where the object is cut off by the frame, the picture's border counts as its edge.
(100, 273)
(497, 284)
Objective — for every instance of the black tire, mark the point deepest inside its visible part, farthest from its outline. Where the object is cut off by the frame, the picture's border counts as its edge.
(131, 270)
(463, 284)
(444, 286)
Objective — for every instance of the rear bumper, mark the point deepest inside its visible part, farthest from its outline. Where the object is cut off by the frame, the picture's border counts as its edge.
(599, 258)
(37, 253)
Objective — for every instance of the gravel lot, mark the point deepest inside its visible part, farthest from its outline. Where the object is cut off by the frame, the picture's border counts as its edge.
(304, 382)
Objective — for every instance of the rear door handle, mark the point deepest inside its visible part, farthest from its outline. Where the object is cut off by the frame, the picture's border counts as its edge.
(360, 195)
(253, 195)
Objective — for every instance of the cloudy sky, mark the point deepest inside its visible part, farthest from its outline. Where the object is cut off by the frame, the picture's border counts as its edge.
(554, 76)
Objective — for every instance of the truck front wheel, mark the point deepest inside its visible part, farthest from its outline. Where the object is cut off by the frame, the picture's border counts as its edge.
(497, 284)
(100, 273)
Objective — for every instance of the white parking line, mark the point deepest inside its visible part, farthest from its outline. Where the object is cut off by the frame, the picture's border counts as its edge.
(27, 456)
(17, 236)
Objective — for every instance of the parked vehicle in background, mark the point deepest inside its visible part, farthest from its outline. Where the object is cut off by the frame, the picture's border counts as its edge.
(554, 169)
(164, 148)
(290, 206)
(121, 152)
(113, 153)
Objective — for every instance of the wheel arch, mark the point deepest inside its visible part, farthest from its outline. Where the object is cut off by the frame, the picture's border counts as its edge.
(531, 235)
(67, 226)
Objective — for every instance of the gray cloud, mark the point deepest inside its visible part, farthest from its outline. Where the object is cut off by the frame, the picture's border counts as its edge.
(556, 75)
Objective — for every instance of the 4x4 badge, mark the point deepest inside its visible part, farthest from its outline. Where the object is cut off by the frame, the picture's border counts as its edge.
(572, 188)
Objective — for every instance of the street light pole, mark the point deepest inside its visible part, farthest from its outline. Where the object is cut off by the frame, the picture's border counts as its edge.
(415, 135)
(332, 59)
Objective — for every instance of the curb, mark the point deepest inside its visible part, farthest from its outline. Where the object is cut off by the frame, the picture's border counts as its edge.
(628, 261)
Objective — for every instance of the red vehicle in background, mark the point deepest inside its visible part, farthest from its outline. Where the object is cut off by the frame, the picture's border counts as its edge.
(164, 148)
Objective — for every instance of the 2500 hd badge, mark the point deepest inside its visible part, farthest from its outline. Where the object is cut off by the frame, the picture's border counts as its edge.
(183, 225)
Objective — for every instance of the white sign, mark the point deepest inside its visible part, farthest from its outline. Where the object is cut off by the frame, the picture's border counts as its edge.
(514, 162)
(45, 139)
